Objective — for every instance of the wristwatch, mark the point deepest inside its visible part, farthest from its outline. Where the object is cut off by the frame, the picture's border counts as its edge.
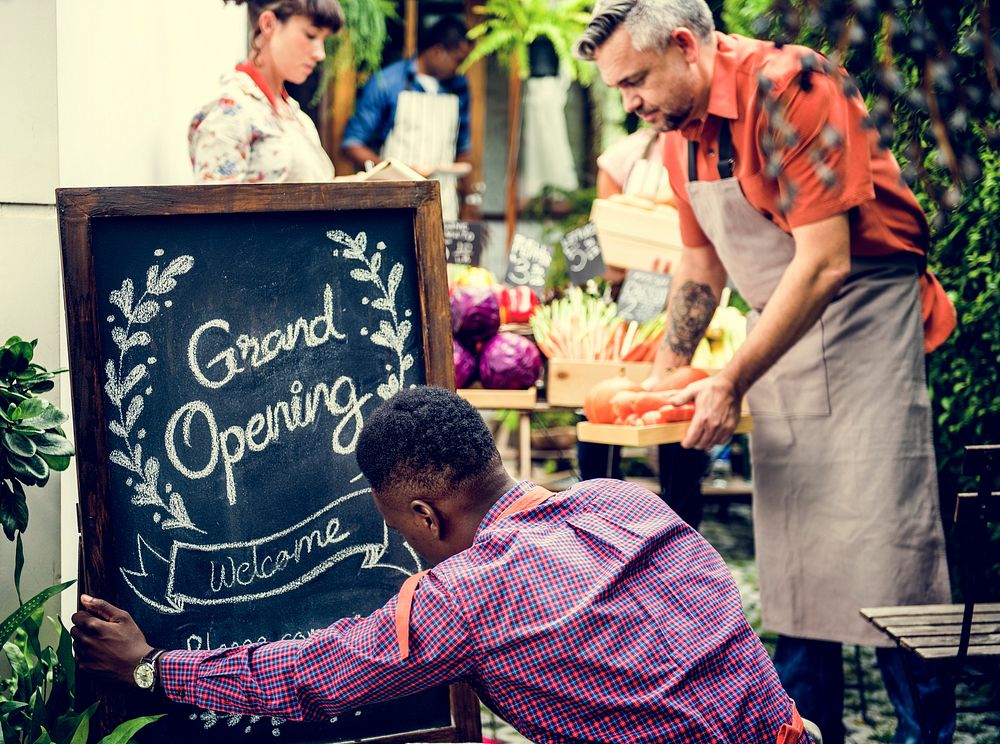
(144, 673)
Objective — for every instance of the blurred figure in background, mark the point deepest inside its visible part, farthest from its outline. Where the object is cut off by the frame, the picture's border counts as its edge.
(632, 165)
(253, 131)
(417, 111)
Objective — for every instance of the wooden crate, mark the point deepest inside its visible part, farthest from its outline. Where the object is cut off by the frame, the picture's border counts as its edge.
(492, 400)
(569, 379)
(643, 436)
(633, 238)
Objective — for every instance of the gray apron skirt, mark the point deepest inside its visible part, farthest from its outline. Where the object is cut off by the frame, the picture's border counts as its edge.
(845, 505)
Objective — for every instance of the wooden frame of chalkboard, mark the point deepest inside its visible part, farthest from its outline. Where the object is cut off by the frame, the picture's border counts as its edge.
(104, 232)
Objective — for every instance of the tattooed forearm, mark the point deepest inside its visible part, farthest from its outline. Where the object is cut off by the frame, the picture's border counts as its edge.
(691, 311)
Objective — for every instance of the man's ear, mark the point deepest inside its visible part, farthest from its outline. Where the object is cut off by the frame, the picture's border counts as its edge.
(427, 517)
(687, 42)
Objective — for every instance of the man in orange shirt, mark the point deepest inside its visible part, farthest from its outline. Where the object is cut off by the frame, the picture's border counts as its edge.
(782, 187)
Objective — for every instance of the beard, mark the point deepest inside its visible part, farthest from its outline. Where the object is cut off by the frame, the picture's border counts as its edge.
(669, 120)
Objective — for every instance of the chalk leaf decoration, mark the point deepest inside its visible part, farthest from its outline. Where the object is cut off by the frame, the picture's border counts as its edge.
(392, 333)
(121, 384)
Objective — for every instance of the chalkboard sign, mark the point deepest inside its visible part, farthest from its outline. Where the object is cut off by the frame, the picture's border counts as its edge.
(227, 344)
(583, 254)
(528, 264)
(644, 294)
(463, 242)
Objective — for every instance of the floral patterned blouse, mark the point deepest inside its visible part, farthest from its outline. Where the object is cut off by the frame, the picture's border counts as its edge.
(239, 136)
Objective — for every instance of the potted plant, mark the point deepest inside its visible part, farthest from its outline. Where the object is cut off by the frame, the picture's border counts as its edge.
(509, 31)
(38, 697)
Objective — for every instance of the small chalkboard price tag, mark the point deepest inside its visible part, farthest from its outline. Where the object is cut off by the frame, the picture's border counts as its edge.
(463, 242)
(583, 254)
(528, 264)
(644, 295)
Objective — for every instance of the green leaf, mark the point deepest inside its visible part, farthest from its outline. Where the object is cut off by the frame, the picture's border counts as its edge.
(32, 470)
(23, 613)
(29, 408)
(49, 417)
(64, 652)
(19, 444)
(18, 566)
(56, 462)
(124, 732)
(43, 738)
(13, 508)
(50, 443)
(17, 660)
(9, 706)
(83, 728)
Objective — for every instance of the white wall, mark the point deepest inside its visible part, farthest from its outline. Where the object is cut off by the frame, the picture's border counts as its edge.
(99, 93)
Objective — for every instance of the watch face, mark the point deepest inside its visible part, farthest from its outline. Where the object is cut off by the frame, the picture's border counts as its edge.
(143, 675)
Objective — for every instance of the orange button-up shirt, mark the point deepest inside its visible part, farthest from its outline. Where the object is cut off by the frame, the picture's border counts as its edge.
(862, 178)
(832, 164)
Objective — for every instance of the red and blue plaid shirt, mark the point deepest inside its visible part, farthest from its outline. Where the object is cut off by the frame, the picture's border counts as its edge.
(597, 616)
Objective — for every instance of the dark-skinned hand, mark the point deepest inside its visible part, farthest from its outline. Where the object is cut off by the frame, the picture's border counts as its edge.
(106, 640)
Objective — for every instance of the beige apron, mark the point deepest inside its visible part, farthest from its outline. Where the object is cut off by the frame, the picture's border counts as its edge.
(845, 507)
(424, 135)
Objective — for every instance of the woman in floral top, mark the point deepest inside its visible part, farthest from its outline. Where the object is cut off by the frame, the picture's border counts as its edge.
(249, 133)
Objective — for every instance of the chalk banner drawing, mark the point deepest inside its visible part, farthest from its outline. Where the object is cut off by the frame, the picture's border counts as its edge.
(236, 384)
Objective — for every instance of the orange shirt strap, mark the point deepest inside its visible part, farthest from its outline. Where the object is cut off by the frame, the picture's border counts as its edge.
(403, 604)
(529, 500)
(790, 733)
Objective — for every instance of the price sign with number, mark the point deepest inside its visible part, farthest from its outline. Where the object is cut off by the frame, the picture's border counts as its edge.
(528, 264)
(463, 242)
(583, 254)
(644, 295)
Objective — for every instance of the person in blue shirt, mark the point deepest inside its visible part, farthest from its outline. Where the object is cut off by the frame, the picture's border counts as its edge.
(417, 111)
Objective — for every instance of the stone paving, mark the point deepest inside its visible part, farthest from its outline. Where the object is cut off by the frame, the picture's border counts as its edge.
(731, 533)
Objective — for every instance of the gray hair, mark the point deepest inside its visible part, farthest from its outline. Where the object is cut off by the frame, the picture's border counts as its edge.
(649, 22)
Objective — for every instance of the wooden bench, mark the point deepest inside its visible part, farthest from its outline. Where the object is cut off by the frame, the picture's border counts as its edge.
(934, 632)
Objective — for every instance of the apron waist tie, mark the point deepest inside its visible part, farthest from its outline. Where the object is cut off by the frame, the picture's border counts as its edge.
(790, 733)
(404, 601)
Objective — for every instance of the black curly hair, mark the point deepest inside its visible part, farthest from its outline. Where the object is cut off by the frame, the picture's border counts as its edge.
(427, 438)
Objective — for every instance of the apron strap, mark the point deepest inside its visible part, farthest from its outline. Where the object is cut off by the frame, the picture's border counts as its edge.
(529, 500)
(790, 733)
(404, 601)
(727, 161)
(403, 604)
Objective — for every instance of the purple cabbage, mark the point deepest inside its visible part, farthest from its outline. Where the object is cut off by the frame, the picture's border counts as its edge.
(465, 364)
(475, 314)
(509, 362)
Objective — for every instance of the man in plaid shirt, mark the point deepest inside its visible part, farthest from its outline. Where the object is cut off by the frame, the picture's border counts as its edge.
(595, 614)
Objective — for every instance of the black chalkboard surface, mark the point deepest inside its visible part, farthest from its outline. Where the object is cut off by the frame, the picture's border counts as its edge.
(227, 344)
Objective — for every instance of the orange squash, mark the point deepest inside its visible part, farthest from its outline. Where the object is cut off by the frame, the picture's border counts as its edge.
(623, 404)
(597, 403)
(682, 377)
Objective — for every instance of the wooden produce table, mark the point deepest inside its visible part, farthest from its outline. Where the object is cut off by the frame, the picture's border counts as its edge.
(522, 401)
(643, 436)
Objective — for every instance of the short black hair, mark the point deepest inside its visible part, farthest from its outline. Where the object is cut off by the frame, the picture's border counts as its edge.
(449, 31)
(429, 437)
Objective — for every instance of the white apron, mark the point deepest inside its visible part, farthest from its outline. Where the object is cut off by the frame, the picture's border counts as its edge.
(845, 506)
(308, 161)
(424, 135)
